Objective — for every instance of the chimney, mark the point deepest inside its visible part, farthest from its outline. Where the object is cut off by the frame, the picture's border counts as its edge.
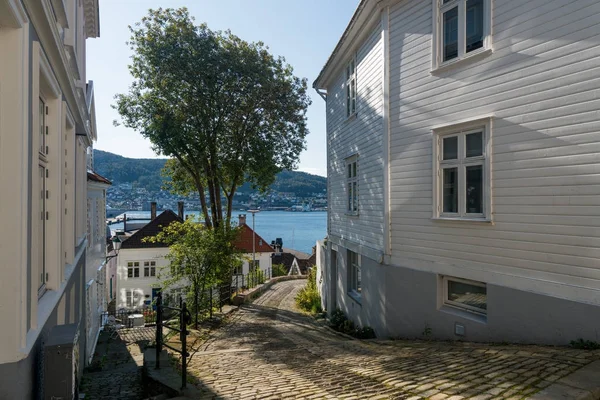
(152, 211)
(180, 209)
(124, 222)
(242, 218)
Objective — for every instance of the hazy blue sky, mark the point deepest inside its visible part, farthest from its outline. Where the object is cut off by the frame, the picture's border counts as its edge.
(304, 32)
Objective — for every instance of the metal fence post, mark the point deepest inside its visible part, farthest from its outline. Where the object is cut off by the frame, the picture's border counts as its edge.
(183, 329)
(158, 328)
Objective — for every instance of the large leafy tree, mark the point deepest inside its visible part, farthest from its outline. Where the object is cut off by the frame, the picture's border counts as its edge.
(226, 110)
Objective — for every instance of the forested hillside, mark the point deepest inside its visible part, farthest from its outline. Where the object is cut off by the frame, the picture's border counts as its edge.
(143, 172)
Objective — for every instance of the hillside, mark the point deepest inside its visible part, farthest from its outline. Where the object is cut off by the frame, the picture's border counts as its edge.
(144, 172)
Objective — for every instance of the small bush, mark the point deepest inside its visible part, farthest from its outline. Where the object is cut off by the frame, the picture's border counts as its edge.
(279, 270)
(308, 298)
(585, 344)
(337, 319)
(366, 332)
(341, 323)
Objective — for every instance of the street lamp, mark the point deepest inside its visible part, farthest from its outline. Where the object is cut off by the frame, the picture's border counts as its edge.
(116, 247)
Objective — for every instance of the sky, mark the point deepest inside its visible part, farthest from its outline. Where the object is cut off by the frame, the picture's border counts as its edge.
(305, 32)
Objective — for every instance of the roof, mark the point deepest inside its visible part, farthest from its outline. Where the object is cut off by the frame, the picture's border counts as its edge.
(244, 241)
(359, 18)
(94, 176)
(300, 255)
(151, 229)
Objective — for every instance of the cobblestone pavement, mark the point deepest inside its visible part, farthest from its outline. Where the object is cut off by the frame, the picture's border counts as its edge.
(115, 372)
(270, 351)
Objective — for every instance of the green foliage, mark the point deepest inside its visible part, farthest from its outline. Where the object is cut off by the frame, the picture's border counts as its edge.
(341, 323)
(279, 270)
(337, 319)
(585, 344)
(366, 332)
(308, 298)
(140, 172)
(225, 109)
(198, 257)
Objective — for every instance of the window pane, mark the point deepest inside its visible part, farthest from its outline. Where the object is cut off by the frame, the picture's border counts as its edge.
(467, 294)
(474, 189)
(146, 271)
(451, 34)
(146, 263)
(450, 190)
(349, 170)
(130, 264)
(354, 169)
(353, 96)
(354, 197)
(474, 25)
(136, 272)
(450, 146)
(152, 271)
(474, 144)
(130, 272)
(350, 197)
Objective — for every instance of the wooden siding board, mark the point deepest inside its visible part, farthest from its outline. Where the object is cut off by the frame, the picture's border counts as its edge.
(541, 84)
(360, 135)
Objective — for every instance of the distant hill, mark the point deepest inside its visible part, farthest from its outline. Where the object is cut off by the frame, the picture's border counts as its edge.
(145, 172)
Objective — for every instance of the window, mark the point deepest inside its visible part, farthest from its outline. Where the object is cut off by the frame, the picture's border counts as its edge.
(354, 274)
(351, 88)
(129, 298)
(133, 270)
(254, 265)
(465, 294)
(463, 171)
(43, 193)
(237, 270)
(352, 184)
(463, 29)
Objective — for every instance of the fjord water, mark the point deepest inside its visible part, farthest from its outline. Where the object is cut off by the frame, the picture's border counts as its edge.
(299, 230)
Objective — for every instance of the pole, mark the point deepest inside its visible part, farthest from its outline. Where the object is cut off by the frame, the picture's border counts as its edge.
(183, 332)
(158, 328)
(253, 241)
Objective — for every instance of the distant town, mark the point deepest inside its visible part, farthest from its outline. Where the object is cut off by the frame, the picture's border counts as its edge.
(126, 196)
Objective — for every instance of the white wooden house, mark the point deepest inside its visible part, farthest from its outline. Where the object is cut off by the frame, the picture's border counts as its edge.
(463, 140)
(141, 265)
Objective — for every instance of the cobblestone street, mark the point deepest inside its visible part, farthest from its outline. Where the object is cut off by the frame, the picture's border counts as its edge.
(270, 351)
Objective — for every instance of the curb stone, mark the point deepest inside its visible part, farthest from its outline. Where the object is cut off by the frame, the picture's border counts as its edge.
(583, 384)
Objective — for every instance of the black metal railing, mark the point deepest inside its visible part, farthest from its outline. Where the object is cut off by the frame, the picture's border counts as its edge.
(251, 279)
(128, 318)
(185, 318)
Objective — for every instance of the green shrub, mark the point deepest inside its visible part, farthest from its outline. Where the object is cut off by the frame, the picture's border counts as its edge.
(308, 298)
(341, 323)
(585, 344)
(279, 270)
(337, 319)
(366, 332)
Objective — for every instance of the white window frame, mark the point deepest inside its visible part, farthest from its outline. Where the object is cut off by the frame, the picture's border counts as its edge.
(438, 32)
(447, 302)
(352, 185)
(460, 130)
(129, 298)
(350, 87)
(354, 266)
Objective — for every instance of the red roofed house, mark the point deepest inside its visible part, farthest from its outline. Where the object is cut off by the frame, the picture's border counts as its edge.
(139, 262)
(262, 251)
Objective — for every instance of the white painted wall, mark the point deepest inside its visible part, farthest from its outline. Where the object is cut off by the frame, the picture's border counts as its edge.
(541, 85)
(360, 135)
(142, 285)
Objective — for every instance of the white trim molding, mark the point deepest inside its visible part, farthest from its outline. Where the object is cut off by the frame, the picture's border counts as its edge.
(461, 162)
(12, 14)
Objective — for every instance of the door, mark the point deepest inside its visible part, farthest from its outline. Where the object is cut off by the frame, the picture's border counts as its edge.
(332, 300)
(154, 295)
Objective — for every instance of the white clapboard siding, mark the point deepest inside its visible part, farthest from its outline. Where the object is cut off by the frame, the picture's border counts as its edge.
(360, 135)
(542, 85)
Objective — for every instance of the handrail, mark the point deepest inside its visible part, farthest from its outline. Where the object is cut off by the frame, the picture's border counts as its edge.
(184, 319)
